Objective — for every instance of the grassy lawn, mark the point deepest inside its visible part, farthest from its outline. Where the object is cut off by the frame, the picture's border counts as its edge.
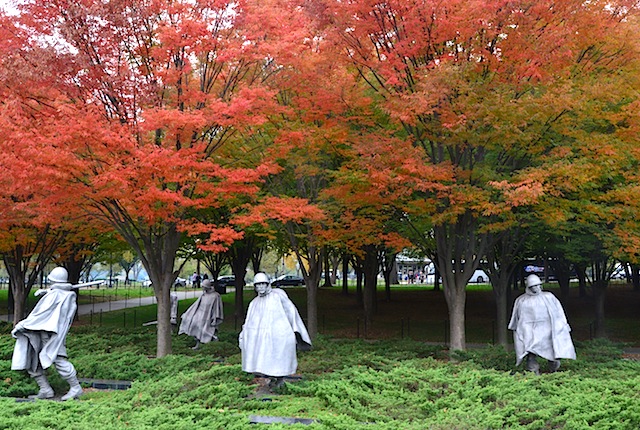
(414, 311)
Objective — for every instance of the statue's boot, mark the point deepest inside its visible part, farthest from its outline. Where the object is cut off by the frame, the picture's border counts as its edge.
(554, 365)
(531, 363)
(276, 383)
(74, 389)
(46, 392)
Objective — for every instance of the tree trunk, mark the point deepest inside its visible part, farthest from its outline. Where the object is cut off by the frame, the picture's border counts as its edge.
(599, 293)
(562, 270)
(256, 258)
(456, 296)
(214, 263)
(393, 278)
(582, 280)
(24, 265)
(359, 295)
(345, 274)
(312, 311)
(370, 268)
(162, 290)
(327, 269)
(564, 281)
(500, 293)
(456, 301)
(389, 269)
(308, 252)
(436, 279)
(163, 296)
(16, 264)
(502, 264)
(20, 294)
(459, 248)
(335, 262)
(74, 268)
(387, 286)
(635, 277)
(314, 258)
(239, 256)
(158, 258)
(312, 281)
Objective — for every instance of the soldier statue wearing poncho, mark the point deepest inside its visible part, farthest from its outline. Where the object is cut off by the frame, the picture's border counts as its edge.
(540, 328)
(271, 332)
(204, 316)
(40, 338)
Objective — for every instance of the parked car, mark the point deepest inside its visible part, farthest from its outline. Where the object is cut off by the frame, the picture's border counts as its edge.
(226, 280)
(287, 281)
(223, 282)
(178, 283)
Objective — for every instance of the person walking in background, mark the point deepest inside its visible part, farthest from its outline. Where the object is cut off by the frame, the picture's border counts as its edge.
(195, 280)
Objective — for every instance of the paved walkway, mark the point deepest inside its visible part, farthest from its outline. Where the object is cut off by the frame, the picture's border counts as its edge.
(117, 305)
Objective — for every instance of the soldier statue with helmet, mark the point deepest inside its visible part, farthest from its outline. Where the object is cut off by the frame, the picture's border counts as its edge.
(540, 328)
(271, 333)
(40, 338)
(202, 318)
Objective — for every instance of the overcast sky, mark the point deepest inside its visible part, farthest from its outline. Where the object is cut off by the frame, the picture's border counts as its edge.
(8, 5)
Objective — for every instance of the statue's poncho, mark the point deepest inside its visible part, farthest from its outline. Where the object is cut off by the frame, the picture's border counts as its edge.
(203, 317)
(50, 318)
(540, 327)
(270, 333)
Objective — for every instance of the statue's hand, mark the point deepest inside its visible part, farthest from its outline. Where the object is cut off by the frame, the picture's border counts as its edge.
(40, 292)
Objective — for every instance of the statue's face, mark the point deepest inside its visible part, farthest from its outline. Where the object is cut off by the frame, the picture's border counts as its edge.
(262, 288)
(534, 289)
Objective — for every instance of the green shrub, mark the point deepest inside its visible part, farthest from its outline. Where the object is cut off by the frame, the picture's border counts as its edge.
(345, 384)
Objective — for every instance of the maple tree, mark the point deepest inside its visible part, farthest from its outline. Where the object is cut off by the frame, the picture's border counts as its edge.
(480, 87)
(303, 133)
(371, 192)
(589, 172)
(37, 209)
(157, 90)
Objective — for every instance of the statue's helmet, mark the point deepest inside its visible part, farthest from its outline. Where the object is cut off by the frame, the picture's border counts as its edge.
(207, 285)
(261, 278)
(261, 284)
(58, 275)
(532, 281)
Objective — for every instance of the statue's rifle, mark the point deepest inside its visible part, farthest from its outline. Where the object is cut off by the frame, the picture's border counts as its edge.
(87, 284)
(73, 287)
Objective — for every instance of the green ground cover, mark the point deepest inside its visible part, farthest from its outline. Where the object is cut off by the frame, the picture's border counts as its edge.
(395, 375)
(345, 384)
